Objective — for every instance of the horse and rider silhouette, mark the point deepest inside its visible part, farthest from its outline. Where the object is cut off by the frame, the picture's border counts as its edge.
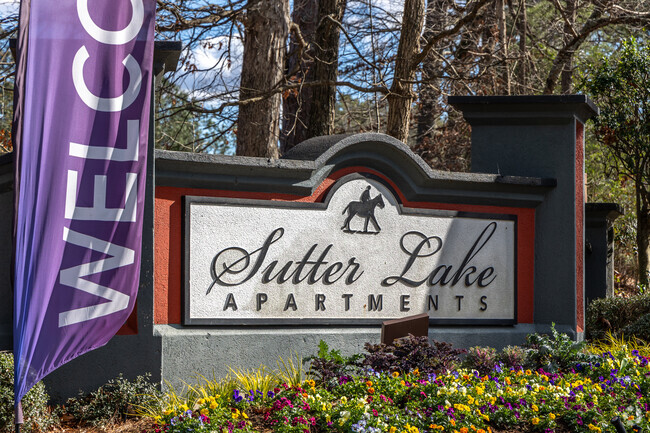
(364, 209)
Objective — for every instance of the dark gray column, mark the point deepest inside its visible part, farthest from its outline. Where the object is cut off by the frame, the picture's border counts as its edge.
(599, 254)
(541, 136)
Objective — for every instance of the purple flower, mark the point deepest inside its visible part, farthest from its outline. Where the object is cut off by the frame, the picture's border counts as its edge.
(270, 394)
(236, 396)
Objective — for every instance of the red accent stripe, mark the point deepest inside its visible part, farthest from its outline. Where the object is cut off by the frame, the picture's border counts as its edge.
(580, 241)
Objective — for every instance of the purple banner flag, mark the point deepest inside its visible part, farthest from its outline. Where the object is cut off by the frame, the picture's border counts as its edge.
(84, 124)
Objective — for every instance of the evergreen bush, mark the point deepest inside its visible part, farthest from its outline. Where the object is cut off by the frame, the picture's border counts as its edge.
(37, 415)
(619, 316)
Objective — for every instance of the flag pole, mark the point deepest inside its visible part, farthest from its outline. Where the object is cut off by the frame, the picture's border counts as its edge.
(18, 416)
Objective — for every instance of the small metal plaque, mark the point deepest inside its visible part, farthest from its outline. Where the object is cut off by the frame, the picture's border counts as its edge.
(417, 325)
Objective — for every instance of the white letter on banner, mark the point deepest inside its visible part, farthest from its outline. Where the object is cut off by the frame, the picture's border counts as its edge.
(117, 37)
(73, 277)
(112, 105)
(99, 211)
(111, 153)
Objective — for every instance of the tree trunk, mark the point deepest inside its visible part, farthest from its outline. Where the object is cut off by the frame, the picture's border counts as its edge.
(266, 30)
(321, 116)
(503, 45)
(566, 78)
(643, 233)
(522, 70)
(296, 106)
(429, 108)
(400, 97)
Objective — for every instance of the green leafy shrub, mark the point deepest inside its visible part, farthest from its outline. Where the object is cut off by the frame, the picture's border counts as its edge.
(329, 365)
(555, 352)
(408, 353)
(640, 328)
(481, 359)
(618, 316)
(513, 357)
(112, 402)
(37, 415)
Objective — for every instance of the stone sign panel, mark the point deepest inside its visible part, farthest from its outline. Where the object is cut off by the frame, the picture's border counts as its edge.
(359, 257)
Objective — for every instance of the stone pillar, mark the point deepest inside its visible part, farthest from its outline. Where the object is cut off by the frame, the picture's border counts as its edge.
(541, 136)
(599, 254)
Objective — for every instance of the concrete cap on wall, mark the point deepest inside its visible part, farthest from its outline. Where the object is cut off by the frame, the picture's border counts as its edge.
(603, 211)
(309, 163)
(515, 109)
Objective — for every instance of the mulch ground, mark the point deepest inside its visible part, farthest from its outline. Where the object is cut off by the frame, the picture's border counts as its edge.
(138, 425)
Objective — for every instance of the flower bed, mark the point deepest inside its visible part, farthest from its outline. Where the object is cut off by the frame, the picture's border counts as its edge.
(584, 397)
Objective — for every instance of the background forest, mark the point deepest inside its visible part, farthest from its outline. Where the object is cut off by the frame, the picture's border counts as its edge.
(256, 77)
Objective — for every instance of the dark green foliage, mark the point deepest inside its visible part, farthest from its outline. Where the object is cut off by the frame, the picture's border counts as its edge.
(620, 87)
(329, 365)
(408, 353)
(37, 415)
(555, 352)
(481, 359)
(620, 316)
(639, 328)
(112, 402)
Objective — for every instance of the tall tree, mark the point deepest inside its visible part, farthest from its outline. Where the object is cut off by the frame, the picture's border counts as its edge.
(437, 17)
(266, 30)
(296, 104)
(400, 97)
(621, 88)
(326, 55)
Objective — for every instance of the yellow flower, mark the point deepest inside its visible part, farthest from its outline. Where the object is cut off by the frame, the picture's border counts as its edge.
(416, 372)
(344, 400)
(235, 414)
(535, 421)
(184, 408)
(551, 415)
(534, 408)
(395, 374)
(204, 411)
(393, 429)
(402, 383)
(594, 428)
(214, 405)
(528, 372)
(243, 414)
(168, 412)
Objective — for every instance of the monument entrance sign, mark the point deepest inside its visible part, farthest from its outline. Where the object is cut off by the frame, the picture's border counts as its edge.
(358, 257)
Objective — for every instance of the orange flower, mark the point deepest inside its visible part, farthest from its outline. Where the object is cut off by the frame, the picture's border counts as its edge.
(464, 430)
(371, 390)
(369, 383)
(452, 422)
